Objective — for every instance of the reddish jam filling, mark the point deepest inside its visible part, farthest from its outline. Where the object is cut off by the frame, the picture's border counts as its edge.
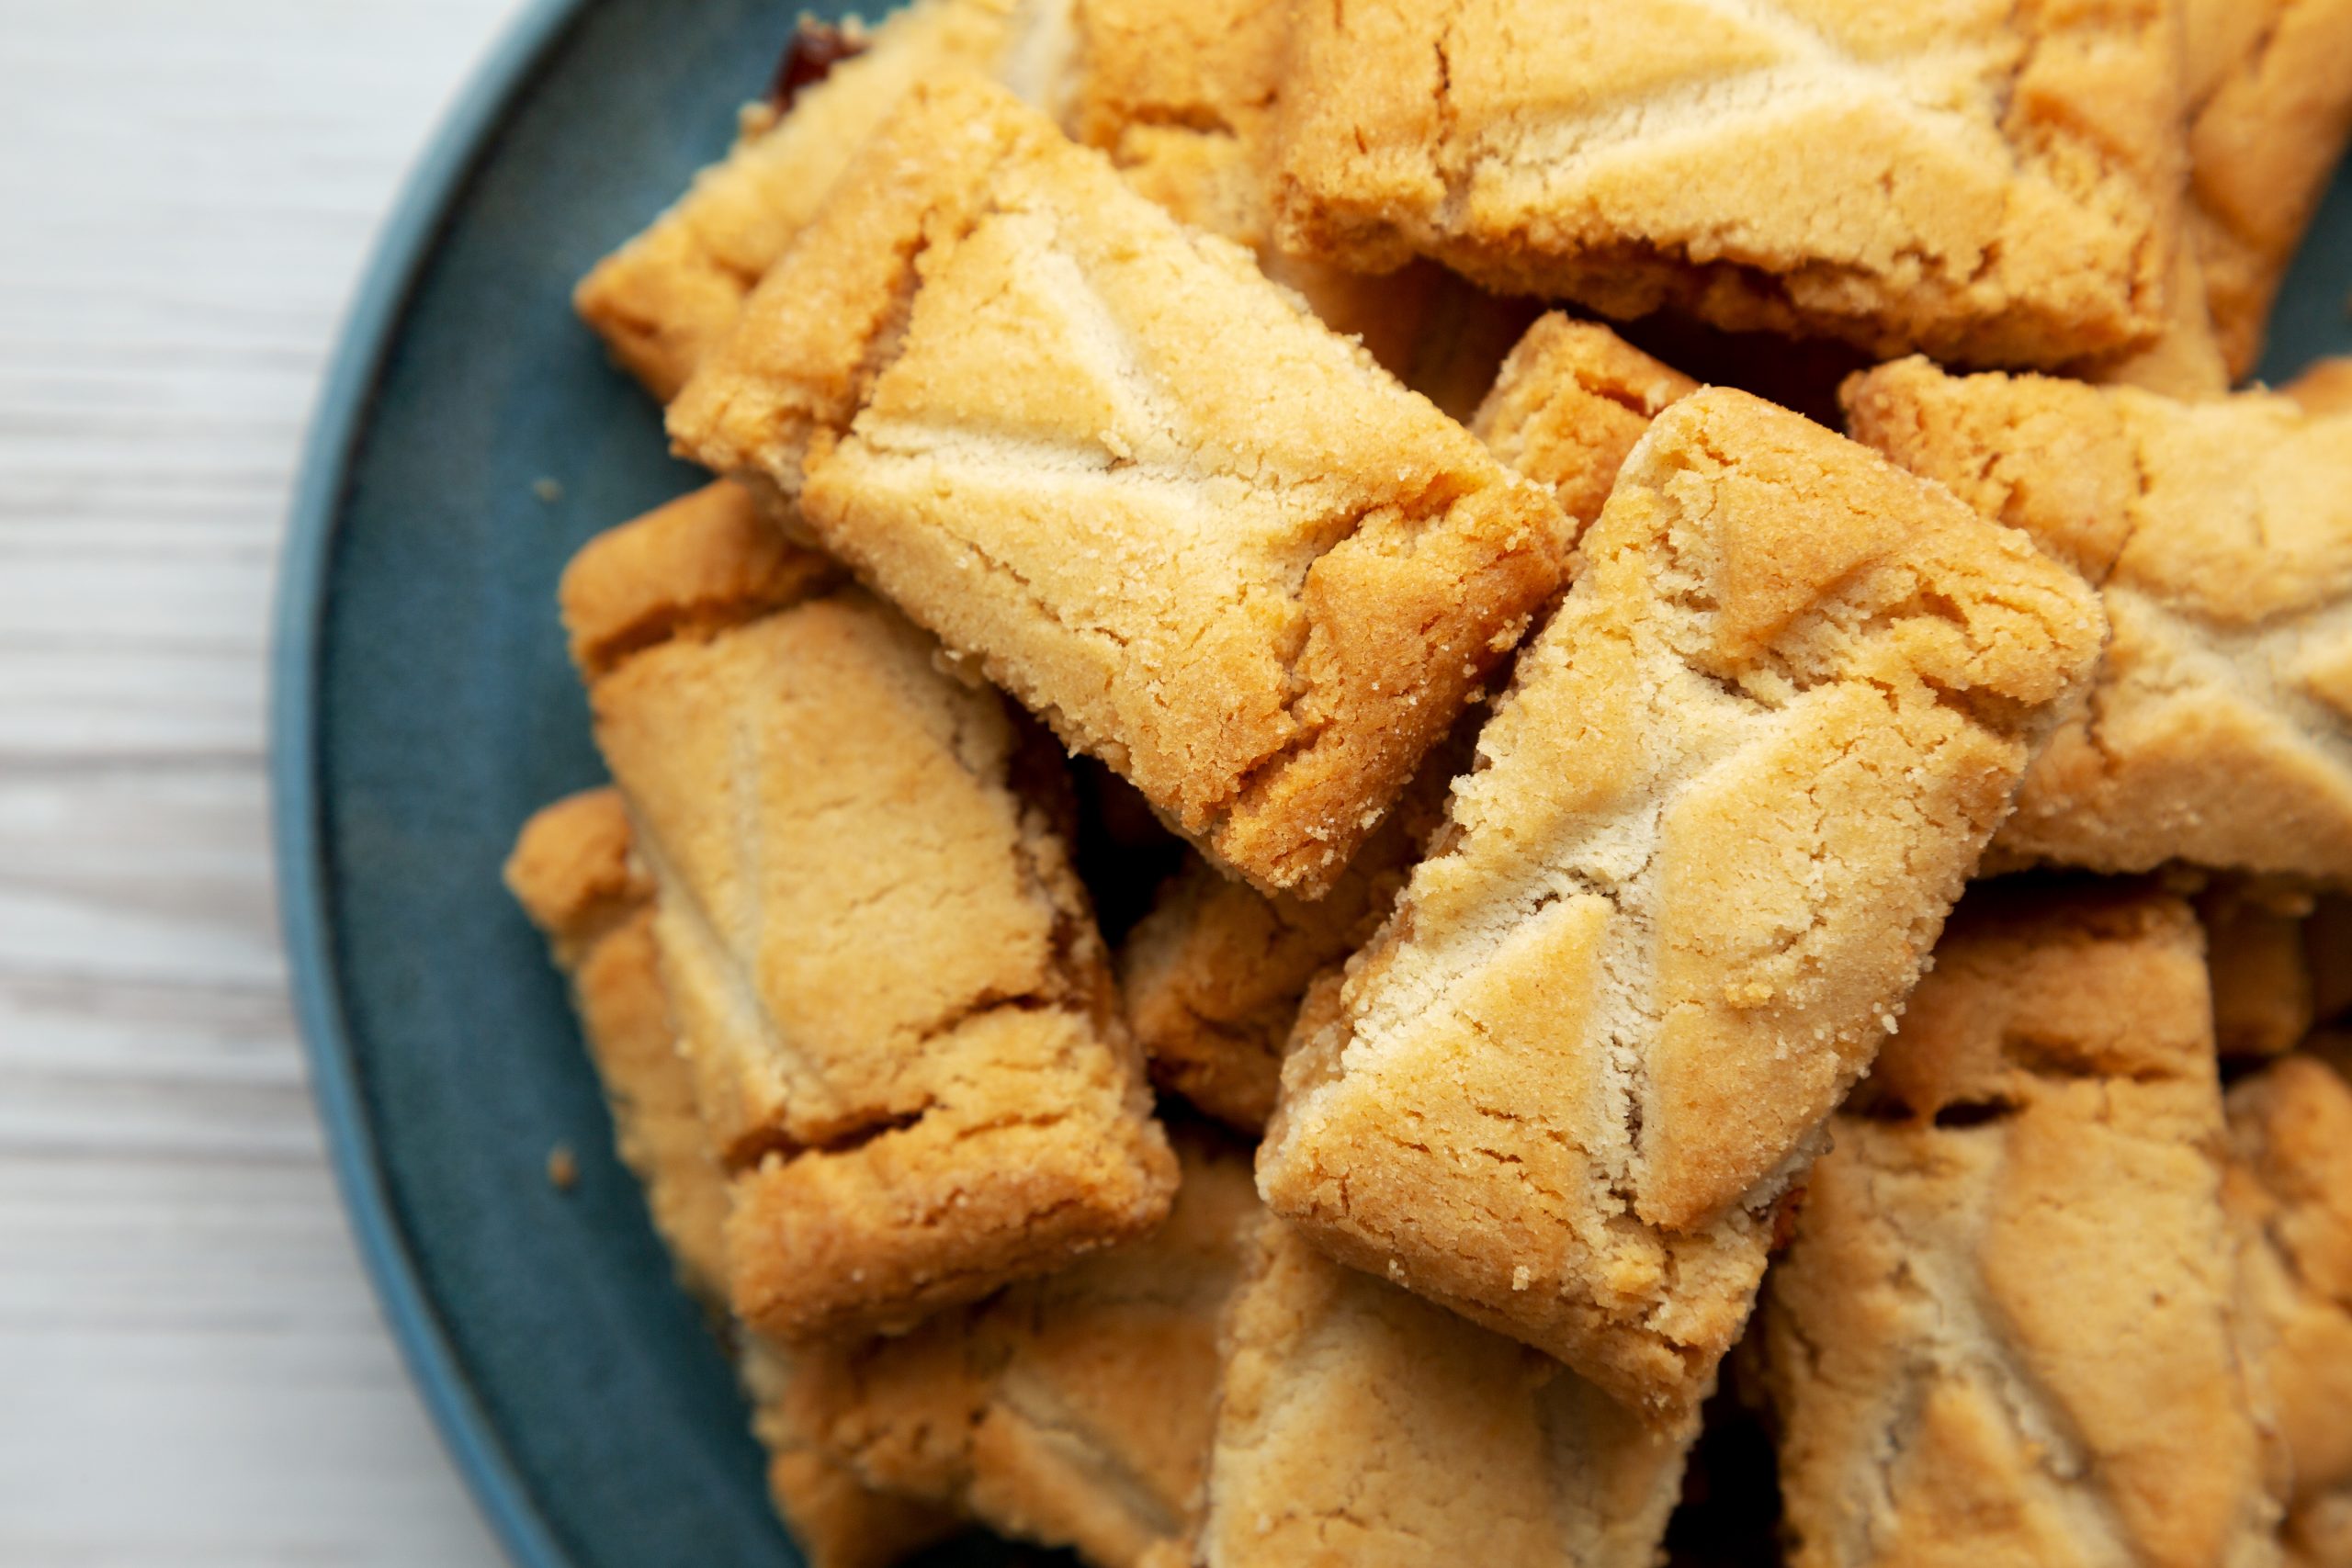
(815, 47)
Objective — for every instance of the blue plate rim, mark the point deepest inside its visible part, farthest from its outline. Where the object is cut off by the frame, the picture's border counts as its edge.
(403, 249)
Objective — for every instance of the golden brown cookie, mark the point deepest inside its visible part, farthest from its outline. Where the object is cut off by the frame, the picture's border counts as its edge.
(1567, 406)
(2319, 1533)
(672, 293)
(884, 975)
(1182, 96)
(2220, 534)
(2325, 387)
(1207, 539)
(573, 873)
(2261, 974)
(2270, 87)
(1073, 1410)
(1991, 183)
(2185, 360)
(1213, 976)
(1723, 809)
(2287, 1190)
(1361, 1427)
(2008, 1330)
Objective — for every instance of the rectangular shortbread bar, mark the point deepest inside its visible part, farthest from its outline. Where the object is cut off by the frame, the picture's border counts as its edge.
(1723, 809)
(1363, 1426)
(1213, 975)
(2008, 1328)
(2270, 90)
(669, 295)
(1990, 182)
(1205, 537)
(573, 873)
(883, 971)
(2218, 533)
(2288, 1191)
(1073, 1410)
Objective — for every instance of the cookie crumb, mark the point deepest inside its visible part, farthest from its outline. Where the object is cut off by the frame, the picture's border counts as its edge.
(563, 1170)
(548, 490)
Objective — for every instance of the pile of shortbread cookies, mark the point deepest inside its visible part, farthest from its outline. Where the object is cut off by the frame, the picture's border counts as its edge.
(1755, 879)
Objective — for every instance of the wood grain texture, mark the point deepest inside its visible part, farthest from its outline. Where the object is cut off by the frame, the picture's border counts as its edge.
(192, 1370)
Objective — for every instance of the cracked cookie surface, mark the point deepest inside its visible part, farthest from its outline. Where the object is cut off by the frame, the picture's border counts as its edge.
(1991, 183)
(2218, 533)
(2008, 1328)
(2270, 90)
(1207, 539)
(1717, 821)
(1213, 976)
(672, 293)
(2288, 1190)
(573, 871)
(885, 976)
(1073, 1410)
(1361, 1427)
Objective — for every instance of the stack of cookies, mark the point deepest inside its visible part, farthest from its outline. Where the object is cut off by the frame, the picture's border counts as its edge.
(1682, 920)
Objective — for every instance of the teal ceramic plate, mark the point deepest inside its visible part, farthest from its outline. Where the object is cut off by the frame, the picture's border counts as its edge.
(471, 435)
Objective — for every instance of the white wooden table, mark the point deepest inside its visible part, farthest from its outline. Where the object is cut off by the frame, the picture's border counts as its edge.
(192, 1370)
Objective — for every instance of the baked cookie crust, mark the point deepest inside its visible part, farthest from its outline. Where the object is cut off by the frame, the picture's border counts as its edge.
(2270, 87)
(1721, 813)
(2288, 1190)
(2256, 954)
(672, 293)
(1207, 539)
(2009, 1326)
(2219, 536)
(1073, 1410)
(1992, 184)
(1213, 977)
(1361, 1427)
(573, 876)
(884, 973)
(573, 871)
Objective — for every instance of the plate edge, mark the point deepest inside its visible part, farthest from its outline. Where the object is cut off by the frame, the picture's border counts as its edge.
(417, 219)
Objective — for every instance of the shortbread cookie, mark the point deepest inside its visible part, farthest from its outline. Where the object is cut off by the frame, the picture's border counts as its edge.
(1073, 1410)
(1182, 96)
(2325, 387)
(2319, 1534)
(1568, 405)
(2261, 974)
(668, 295)
(1213, 977)
(2008, 1329)
(2269, 88)
(1992, 184)
(2186, 361)
(884, 975)
(1724, 807)
(1207, 539)
(2220, 533)
(838, 1520)
(1361, 1427)
(573, 873)
(2287, 1190)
